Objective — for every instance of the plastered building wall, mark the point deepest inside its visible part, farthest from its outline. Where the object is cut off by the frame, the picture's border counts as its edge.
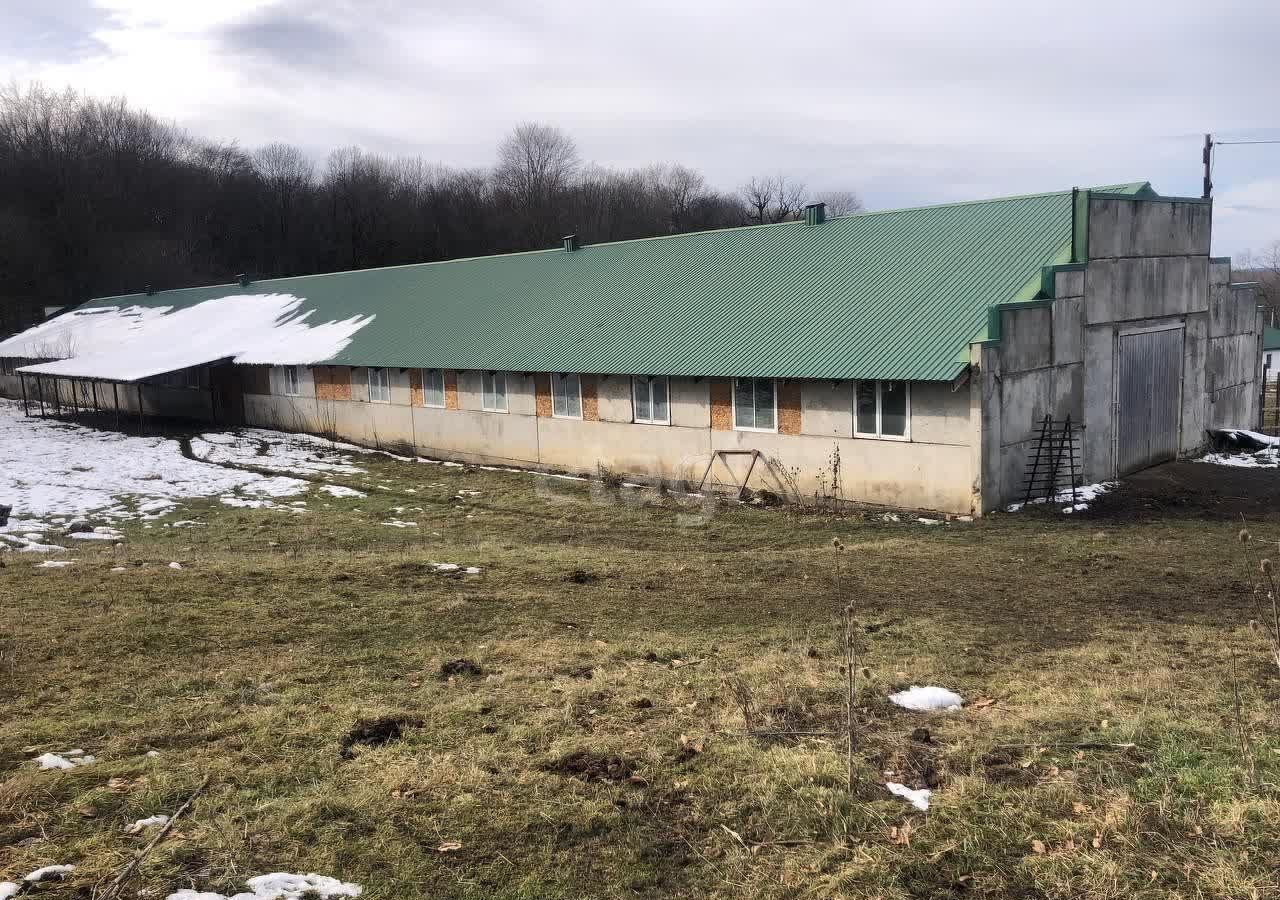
(930, 471)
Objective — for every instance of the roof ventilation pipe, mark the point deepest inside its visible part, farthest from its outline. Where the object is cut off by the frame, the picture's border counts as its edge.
(244, 280)
(570, 242)
(815, 213)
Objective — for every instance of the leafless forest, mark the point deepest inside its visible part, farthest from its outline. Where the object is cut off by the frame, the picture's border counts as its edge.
(99, 198)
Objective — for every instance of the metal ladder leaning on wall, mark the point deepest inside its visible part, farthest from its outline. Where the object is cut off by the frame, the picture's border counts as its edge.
(1054, 461)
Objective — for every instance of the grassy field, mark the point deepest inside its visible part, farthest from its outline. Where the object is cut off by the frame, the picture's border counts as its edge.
(598, 745)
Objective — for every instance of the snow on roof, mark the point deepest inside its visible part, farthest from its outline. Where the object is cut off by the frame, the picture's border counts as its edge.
(130, 343)
(79, 331)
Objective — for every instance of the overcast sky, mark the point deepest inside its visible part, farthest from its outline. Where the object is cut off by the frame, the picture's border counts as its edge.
(905, 102)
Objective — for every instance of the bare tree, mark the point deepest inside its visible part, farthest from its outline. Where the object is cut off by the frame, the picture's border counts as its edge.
(536, 166)
(97, 198)
(840, 203)
(1263, 267)
(772, 198)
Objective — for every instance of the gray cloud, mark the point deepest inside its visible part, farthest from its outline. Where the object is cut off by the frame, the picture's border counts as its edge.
(287, 40)
(912, 103)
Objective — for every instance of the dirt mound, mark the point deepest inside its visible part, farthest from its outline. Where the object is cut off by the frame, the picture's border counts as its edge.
(460, 667)
(587, 765)
(375, 733)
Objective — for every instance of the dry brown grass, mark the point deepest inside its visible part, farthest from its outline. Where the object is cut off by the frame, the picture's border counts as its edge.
(561, 768)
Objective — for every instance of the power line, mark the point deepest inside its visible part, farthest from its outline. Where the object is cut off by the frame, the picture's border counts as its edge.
(1209, 156)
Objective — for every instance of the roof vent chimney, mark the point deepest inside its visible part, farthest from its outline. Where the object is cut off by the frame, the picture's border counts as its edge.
(244, 279)
(570, 242)
(815, 214)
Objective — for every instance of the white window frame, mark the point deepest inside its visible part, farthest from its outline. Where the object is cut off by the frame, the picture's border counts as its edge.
(733, 391)
(423, 376)
(287, 374)
(562, 380)
(488, 404)
(877, 434)
(384, 377)
(647, 381)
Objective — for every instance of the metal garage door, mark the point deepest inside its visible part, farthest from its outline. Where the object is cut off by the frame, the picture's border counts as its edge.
(1149, 397)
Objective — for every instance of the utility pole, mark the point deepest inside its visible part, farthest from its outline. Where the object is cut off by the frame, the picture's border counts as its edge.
(1207, 157)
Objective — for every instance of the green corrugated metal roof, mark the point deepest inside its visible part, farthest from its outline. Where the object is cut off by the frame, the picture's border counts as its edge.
(1271, 339)
(889, 294)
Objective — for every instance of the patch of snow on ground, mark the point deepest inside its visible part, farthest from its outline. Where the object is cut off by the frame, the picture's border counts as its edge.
(68, 760)
(10, 889)
(55, 563)
(95, 536)
(1263, 459)
(1084, 495)
(302, 454)
(338, 490)
(929, 697)
(143, 824)
(280, 886)
(446, 568)
(398, 523)
(55, 470)
(919, 799)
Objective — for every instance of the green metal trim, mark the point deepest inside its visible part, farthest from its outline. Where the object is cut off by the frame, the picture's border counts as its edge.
(1220, 259)
(1080, 225)
(995, 326)
(1049, 279)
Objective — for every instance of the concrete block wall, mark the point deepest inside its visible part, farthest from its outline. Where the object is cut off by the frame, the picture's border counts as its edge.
(1036, 369)
(1148, 266)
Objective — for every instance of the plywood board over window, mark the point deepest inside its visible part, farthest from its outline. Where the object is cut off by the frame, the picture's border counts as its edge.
(415, 387)
(333, 382)
(591, 398)
(789, 407)
(451, 389)
(722, 404)
(542, 395)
